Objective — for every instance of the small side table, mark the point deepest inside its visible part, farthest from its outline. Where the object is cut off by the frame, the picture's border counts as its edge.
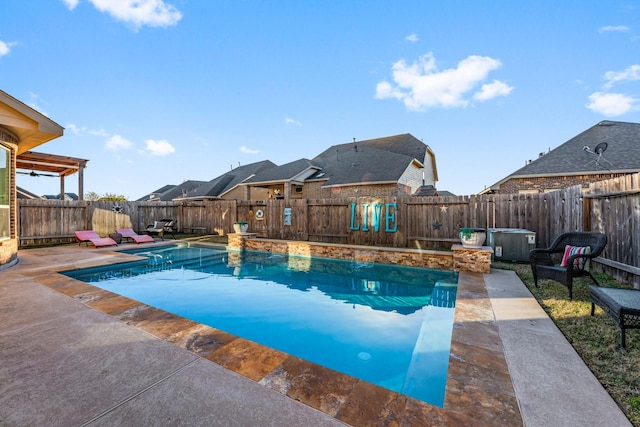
(622, 306)
(117, 237)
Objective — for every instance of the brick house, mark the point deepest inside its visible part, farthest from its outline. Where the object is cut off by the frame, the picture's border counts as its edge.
(391, 166)
(606, 150)
(399, 165)
(226, 186)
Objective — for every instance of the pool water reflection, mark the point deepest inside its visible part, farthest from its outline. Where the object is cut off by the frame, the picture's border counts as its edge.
(384, 324)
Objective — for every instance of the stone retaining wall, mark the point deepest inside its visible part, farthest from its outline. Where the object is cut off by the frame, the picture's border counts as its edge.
(459, 259)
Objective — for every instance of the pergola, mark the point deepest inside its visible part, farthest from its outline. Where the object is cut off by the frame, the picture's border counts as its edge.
(42, 164)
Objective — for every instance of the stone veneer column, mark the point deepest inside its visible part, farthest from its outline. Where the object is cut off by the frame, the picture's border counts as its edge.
(237, 241)
(477, 260)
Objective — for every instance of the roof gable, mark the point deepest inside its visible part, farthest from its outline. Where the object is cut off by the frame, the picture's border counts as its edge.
(380, 160)
(404, 144)
(361, 164)
(229, 180)
(181, 190)
(622, 154)
(284, 173)
(576, 157)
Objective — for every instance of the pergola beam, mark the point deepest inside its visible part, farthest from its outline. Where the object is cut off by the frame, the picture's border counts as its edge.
(62, 166)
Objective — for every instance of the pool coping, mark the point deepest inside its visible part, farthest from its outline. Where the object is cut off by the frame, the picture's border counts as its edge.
(480, 388)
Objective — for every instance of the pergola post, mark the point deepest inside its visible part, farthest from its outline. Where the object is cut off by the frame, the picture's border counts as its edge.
(61, 187)
(81, 180)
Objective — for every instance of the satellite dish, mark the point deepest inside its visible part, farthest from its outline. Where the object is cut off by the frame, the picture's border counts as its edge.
(598, 150)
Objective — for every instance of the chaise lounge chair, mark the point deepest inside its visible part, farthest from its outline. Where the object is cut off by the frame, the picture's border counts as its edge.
(90, 236)
(575, 249)
(128, 233)
(162, 227)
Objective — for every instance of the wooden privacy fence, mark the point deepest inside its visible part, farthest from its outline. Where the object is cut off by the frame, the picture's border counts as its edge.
(612, 207)
(54, 221)
(426, 222)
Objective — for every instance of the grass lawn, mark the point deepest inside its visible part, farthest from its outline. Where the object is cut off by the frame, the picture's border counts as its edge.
(596, 339)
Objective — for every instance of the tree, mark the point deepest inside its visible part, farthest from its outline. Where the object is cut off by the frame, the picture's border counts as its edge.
(110, 197)
(92, 196)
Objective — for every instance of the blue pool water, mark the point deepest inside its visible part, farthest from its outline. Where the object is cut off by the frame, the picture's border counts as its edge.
(384, 324)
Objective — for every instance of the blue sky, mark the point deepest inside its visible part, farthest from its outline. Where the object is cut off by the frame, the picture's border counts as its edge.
(157, 92)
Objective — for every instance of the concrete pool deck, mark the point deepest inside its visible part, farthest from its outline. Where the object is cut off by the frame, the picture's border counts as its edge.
(73, 354)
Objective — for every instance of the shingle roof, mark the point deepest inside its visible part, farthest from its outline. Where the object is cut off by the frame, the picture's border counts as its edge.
(360, 163)
(71, 196)
(405, 144)
(180, 190)
(380, 160)
(225, 182)
(571, 158)
(26, 194)
(374, 160)
(155, 194)
(281, 173)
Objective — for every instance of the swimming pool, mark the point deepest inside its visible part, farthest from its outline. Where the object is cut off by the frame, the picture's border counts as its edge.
(384, 324)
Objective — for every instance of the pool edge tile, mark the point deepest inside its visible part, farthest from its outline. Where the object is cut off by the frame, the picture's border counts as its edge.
(248, 358)
(302, 384)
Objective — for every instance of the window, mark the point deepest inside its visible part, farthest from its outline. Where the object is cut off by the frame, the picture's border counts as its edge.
(5, 195)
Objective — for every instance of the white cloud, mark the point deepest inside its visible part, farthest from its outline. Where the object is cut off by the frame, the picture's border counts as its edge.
(154, 13)
(629, 74)
(117, 143)
(290, 121)
(492, 90)
(613, 29)
(615, 104)
(248, 150)
(71, 4)
(35, 102)
(74, 129)
(159, 148)
(612, 104)
(5, 47)
(422, 85)
(98, 132)
(412, 38)
(202, 141)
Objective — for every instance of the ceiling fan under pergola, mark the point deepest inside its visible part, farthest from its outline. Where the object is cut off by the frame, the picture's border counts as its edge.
(34, 173)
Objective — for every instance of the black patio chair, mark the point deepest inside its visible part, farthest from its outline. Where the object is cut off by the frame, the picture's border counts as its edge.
(546, 263)
(162, 227)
